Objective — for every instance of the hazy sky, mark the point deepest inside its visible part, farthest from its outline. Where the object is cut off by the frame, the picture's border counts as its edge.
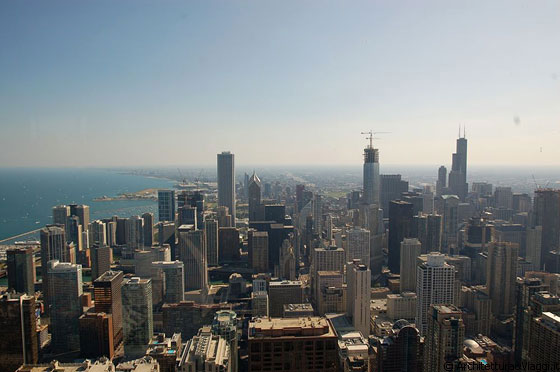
(162, 82)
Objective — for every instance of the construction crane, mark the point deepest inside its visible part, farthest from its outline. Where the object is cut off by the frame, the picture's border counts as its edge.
(198, 179)
(371, 136)
(182, 177)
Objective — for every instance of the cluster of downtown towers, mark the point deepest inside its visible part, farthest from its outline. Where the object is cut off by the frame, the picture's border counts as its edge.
(453, 270)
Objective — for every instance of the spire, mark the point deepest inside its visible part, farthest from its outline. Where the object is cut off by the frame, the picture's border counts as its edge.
(464, 131)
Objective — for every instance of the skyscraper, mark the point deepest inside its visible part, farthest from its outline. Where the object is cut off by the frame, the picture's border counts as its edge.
(258, 250)
(392, 186)
(255, 198)
(60, 214)
(82, 212)
(371, 182)
(444, 339)
(501, 276)
(317, 214)
(435, 280)
(358, 296)
(148, 219)
(101, 259)
(96, 335)
(441, 183)
(358, 245)
(545, 340)
(226, 182)
(211, 233)
(174, 274)
(400, 223)
(134, 231)
(65, 287)
(192, 251)
(19, 341)
(21, 270)
(547, 214)
(53, 247)
(166, 205)
(458, 176)
(97, 233)
(107, 294)
(138, 327)
(410, 250)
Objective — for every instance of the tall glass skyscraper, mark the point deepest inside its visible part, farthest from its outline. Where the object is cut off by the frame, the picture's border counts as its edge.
(226, 182)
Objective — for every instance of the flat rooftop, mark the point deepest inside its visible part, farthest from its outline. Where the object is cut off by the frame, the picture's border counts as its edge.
(307, 326)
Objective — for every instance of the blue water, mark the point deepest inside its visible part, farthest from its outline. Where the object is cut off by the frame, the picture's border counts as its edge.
(27, 195)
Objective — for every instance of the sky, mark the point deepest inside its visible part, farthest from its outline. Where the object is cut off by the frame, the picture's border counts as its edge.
(147, 83)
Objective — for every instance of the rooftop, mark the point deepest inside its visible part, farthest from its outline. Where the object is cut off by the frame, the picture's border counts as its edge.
(312, 326)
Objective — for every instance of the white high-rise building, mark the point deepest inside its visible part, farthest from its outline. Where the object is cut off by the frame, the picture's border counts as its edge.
(358, 297)
(226, 183)
(410, 250)
(358, 245)
(138, 326)
(435, 280)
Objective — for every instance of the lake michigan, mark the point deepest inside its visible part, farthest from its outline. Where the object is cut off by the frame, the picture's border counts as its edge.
(27, 195)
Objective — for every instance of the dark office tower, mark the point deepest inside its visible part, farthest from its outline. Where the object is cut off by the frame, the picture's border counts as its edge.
(525, 288)
(441, 183)
(148, 229)
(60, 214)
(166, 235)
(137, 312)
(107, 293)
(501, 277)
(228, 244)
(224, 218)
(401, 350)
(166, 205)
(258, 250)
(82, 212)
(547, 214)
(101, 259)
(211, 233)
(53, 247)
(65, 286)
(18, 344)
(400, 222)
(96, 335)
(192, 252)
(255, 198)
(299, 196)
(196, 200)
(433, 234)
(371, 183)
(444, 339)
(226, 183)
(458, 176)
(21, 270)
(246, 184)
(74, 232)
(275, 212)
(392, 186)
(186, 215)
(354, 199)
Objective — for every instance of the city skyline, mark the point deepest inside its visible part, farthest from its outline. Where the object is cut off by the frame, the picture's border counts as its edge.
(166, 74)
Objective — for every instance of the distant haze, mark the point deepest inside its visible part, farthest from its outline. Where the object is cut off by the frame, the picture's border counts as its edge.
(122, 83)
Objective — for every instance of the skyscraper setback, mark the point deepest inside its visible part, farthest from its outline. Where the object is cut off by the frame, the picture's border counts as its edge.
(458, 176)
(226, 182)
